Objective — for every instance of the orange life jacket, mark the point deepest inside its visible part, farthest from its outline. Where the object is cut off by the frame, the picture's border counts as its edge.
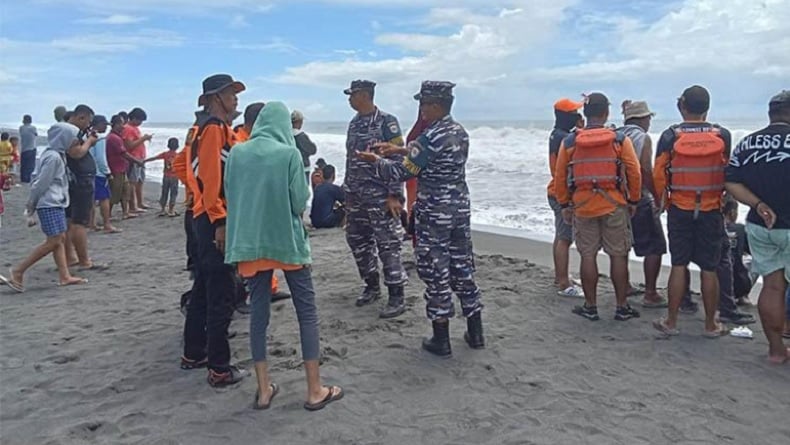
(696, 164)
(595, 163)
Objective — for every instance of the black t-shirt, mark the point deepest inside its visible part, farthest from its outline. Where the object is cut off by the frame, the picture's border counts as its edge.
(82, 167)
(761, 162)
(324, 198)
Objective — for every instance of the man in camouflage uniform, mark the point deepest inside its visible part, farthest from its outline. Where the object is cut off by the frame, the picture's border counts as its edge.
(372, 203)
(445, 261)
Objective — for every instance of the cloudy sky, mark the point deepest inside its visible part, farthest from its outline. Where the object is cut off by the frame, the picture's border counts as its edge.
(510, 59)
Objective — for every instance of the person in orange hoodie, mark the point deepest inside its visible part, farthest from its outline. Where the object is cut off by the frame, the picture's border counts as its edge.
(598, 184)
(689, 178)
(210, 307)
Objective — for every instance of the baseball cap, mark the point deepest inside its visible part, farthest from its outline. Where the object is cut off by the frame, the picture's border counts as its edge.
(568, 106)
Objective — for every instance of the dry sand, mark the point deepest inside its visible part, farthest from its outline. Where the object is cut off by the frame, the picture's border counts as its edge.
(99, 363)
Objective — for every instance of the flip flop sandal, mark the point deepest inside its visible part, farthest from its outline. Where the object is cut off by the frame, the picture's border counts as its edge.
(187, 364)
(96, 266)
(661, 326)
(74, 283)
(719, 332)
(661, 304)
(257, 406)
(11, 283)
(335, 393)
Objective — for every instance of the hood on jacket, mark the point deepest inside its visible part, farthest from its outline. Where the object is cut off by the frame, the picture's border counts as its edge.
(274, 123)
(61, 136)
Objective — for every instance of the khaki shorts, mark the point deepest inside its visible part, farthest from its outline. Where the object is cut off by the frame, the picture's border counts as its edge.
(612, 232)
(119, 187)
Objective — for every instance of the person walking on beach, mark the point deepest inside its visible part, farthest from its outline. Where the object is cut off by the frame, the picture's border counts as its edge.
(263, 182)
(566, 118)
(211, 304)
(649, 241)
(445, 260)
(49, 197)
(134, 141)
(598, 185)
(372, 202)
(82, 184)
(758, 175)
(689, 176)
(306, 147)
(27, 135)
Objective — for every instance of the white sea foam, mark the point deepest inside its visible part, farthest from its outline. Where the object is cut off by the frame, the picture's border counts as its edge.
(507, 169)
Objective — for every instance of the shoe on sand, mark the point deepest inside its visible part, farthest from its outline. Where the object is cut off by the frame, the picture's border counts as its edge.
(572, 291)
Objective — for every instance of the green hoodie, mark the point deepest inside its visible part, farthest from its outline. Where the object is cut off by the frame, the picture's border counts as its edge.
(266, 194)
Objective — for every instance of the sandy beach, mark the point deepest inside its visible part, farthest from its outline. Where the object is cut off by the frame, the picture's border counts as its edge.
(98, 364)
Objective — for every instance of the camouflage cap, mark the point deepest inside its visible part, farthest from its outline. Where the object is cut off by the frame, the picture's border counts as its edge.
(435, 89)
(360, 85)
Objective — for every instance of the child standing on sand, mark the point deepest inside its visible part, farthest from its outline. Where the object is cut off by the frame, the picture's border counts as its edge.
(6, 159)
(169, 180)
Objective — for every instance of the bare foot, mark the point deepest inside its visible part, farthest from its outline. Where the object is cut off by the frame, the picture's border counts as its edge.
(779, 360)
(71, 281)
(112, 229)
(129, 216)
(16, 277)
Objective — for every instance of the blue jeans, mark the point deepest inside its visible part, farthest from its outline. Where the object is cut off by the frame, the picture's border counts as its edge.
(300, 283)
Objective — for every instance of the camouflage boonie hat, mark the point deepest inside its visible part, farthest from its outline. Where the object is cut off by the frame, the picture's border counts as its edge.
(435, 89)
(360, 85)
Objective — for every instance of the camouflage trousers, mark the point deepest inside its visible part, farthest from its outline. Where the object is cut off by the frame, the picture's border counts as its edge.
(445, 261)
(370, 230)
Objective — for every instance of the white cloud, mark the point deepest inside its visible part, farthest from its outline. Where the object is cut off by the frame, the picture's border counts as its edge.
(239, 21)
(113, 43)
(115, 19)
(276, 45)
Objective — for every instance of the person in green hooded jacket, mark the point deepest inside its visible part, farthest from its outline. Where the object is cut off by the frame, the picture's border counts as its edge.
(266, 194)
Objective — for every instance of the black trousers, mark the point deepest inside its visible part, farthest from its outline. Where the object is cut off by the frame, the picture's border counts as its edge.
(211, 305)
(191, 240)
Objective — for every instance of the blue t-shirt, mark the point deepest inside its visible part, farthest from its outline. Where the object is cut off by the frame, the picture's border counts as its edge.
(324, 198)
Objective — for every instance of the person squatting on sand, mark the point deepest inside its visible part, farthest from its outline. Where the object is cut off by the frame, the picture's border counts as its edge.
(49, 197)
(445, 260)
(598, 185)
(211, 304)
(372, 202)
(758, 175)
(264, 180)
(689, 176)
(566, 119)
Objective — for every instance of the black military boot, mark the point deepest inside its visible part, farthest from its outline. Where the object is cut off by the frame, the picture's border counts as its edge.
(474, 332)
(395, 305)
(372, 291)
(439, 344)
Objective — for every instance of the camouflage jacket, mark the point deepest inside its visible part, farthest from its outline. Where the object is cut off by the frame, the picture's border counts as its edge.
(360, 178)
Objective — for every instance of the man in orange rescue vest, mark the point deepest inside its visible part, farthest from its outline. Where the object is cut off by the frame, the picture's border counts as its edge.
(211, 304)
(689, 177)
(598, 184)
